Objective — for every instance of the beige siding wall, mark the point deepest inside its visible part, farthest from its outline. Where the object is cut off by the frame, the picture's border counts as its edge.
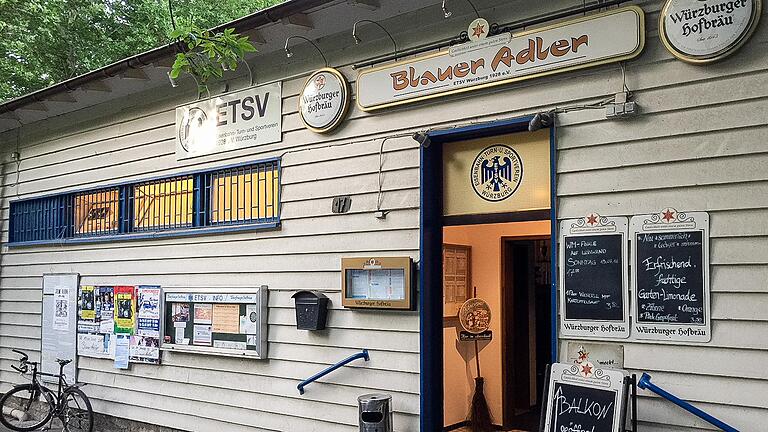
(699, 144)
(199, 392)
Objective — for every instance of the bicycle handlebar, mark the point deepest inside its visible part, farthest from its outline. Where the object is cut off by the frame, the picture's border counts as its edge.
(24, 356)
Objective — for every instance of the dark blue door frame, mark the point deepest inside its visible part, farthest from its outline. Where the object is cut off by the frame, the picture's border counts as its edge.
(431, 260)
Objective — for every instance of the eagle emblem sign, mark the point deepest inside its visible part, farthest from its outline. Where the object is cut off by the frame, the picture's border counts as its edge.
(496, 172)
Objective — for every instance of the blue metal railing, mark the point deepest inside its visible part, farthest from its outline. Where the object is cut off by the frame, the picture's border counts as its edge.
(324, 372)
(646, 384)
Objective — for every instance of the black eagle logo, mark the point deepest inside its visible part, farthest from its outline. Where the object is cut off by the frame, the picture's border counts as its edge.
(497, 171)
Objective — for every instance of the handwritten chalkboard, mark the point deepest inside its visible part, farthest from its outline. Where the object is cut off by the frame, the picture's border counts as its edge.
(582, 398)
(671, 276)
(593, 277)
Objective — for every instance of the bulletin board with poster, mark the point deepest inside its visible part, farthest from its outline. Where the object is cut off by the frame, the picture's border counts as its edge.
(120, 323)
(229, 322)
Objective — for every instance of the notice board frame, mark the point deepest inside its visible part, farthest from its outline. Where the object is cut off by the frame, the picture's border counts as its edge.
(591, 225)
(378, 263)
(667, 221)
(65, 341)
(259, 295)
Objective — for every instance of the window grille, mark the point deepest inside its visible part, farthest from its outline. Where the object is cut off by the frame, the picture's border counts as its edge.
(227, 197)
(96, 213)
(163, 204)
(243, 194)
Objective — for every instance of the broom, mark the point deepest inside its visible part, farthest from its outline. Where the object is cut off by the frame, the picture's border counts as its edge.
(479, 413)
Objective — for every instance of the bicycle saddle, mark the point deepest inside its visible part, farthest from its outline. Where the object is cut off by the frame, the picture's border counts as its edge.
(63, 362)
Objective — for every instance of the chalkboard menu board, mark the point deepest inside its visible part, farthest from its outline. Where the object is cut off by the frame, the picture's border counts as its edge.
(227, 322)
(582, 397)
(593, 277)
(671, 276)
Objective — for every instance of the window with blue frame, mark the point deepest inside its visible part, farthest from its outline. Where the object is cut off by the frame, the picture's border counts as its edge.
(236, 197)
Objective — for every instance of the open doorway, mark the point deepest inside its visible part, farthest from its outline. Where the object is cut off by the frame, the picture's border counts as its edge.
(507, 265)
(482, 176)
(526, 329)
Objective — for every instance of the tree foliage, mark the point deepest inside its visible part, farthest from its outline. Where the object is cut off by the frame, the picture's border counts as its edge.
(48, 41)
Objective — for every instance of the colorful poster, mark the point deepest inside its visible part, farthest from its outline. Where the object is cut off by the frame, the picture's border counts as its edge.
(87, 302)
(202, 335)
(105, 309)
(180, 312)
(61, 312)
(145, 346)
(148, 311)
(122, 344)
(203, 313)
(226, 318)
(125, 309)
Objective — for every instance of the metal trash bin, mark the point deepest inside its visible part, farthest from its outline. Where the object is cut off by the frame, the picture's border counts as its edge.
(375, 412)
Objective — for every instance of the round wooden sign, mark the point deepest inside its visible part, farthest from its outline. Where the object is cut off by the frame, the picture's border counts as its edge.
(704, 31)
(324, 100)
(475, 315)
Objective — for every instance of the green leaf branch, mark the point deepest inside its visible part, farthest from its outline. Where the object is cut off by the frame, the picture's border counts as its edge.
(206, 55)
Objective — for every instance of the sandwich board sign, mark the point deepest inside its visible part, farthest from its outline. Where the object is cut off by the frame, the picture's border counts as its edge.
(582, 397)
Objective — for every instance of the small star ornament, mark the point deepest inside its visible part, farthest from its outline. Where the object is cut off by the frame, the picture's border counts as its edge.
(478, 29)
(586, 369)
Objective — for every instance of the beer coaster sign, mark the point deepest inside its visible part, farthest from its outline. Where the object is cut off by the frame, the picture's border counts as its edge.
(324, 100)
(670, 274)
(704, 31)
(475, 316)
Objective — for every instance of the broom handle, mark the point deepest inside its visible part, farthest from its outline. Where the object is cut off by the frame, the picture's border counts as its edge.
(477, 351)
(477, 359)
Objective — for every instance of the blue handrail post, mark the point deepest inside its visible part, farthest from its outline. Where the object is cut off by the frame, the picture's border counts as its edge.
(646, 384)
(361, 355)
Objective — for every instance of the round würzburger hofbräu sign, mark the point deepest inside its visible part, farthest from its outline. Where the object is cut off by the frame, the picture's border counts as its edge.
(703, 31)
(324, 101)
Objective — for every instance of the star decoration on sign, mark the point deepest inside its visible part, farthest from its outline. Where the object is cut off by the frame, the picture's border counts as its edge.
(586, 369)
(478, 30)
(592, 219)
(669, 215)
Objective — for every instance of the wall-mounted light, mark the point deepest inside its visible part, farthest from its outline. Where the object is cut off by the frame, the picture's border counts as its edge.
(289, 53)
(422, 138)
(357, 39)
(447, 13)
(541, 120)
(174, 82)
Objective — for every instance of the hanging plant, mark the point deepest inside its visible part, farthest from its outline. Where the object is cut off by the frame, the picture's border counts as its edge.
(206, 55)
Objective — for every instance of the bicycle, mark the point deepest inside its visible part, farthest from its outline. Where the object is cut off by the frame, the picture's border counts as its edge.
(23, 411)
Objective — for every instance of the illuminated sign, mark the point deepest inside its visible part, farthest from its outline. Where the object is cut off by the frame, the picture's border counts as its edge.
(324, 101)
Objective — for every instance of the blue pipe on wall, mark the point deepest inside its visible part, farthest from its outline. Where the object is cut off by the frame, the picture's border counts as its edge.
(646, 384)
(324, 372)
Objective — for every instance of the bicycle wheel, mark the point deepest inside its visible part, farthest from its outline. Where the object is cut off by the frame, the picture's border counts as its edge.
(26, 408)
(77, 413)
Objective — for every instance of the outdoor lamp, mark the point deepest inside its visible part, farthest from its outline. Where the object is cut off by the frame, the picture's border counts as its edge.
(447, 13)
(289, 53)
(358, 40)
(541, 120)
(173, 81)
